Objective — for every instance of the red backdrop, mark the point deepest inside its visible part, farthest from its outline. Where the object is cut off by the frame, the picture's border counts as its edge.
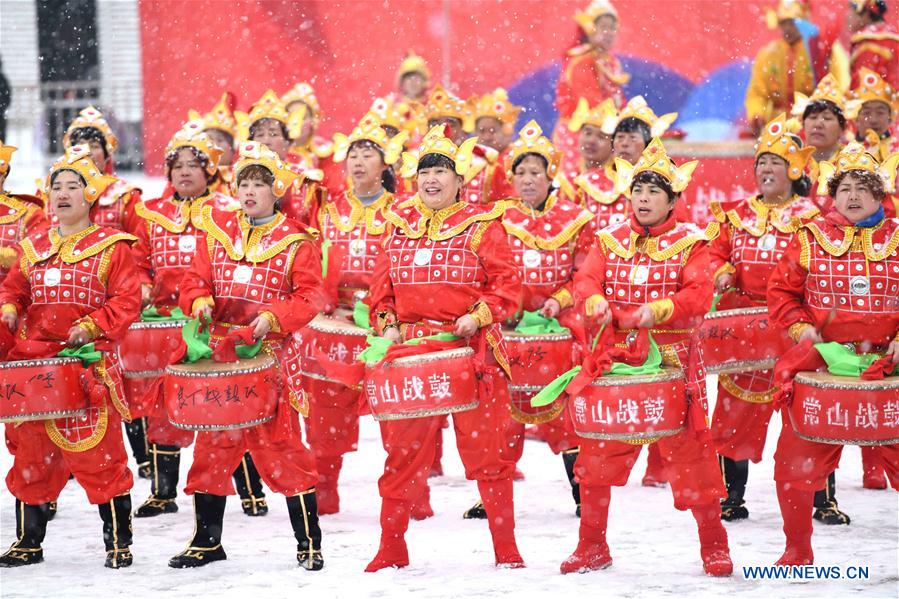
(350, 50)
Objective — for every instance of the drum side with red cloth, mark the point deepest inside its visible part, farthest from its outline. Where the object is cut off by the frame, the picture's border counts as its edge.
(845, 410)
(631, 409)
(42, 389)
(429, 384)
(329, 343)
(741, 340)
(536, 360)
(208, 396)
(147, 347)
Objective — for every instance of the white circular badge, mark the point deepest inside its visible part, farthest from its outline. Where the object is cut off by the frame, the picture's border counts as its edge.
(243, 274)
(859, 285)
(187, 243)
(767, 242)
(52, 277)
(641, 274)
(422, 257)
(357, 248)
(531, 258)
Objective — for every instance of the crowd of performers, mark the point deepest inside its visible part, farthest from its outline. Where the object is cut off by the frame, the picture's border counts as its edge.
(447, 228)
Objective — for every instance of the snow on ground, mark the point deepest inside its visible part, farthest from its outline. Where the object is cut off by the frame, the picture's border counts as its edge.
(654, 547)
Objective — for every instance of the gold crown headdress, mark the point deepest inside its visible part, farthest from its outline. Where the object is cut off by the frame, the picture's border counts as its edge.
(436, 142)
(78, 159)
(532, 141)
(654, 159)
(254, 153)
(191, 135)
(91, 117)
(370, 129)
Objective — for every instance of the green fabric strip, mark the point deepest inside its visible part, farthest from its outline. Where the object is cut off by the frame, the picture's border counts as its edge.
(86, 353)
(534, 323)
(197, 342)
(325, 245)
(842, 361)
(552, 391)
(378, 346)
(151, 314)
(361, 315)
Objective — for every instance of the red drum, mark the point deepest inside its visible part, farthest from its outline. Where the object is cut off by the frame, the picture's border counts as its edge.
(430, 384)
(330, 342)
(631, 409)
(42, 389)
(844, 410)
(146, 348)
(209, 396)
(741, 340)
(536, 361)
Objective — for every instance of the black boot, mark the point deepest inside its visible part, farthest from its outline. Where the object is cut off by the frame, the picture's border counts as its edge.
(31, 526)
(475, 512)
(136, 430)
(249, 487)
(826, 509)
(303, 510)
(116, 515)
(569, 457)
(206, 546)
(164, 487)
(50, 509)
(736, 473)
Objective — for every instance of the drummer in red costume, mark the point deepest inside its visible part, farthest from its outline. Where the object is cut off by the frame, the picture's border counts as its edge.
(754, 234)
(494, 125)
(75, 284)
(875, 44)
(550, 237)
(435, 229)
(307, 149)
(115, 208)
(268, 123)
(167, 242)
(837, 281)
(652, 271)
(20, 216)
(590, 70)
(220, 126)
(874, 105)
(351, 225)
(255, 268)
(591, 179)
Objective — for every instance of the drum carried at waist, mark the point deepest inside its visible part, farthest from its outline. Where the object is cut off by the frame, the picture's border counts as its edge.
(329, 342)
(146, 348)
(741, 340)
(41, 389)
(208, 396)
(631, 409)
(536, 360)
(842, 410)
(429, 384)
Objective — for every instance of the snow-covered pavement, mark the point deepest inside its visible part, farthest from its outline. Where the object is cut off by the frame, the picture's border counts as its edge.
(655, 548)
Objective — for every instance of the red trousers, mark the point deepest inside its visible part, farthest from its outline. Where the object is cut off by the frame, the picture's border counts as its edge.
(689, 459)
(557, 433)
(284, 463)
(41, 469)
(480, 437)
(332, 425)
(740, 426)
(807, 464)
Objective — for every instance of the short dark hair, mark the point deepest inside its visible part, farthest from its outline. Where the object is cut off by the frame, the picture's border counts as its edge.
(634, 125)
(869, 180)
(657, 180)
(875, 10)
(87, 135)
(256, 172)
(436, 160)
(819, 106)
(171, 157)
(521, 158)
(62, 170)
(255, 127)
